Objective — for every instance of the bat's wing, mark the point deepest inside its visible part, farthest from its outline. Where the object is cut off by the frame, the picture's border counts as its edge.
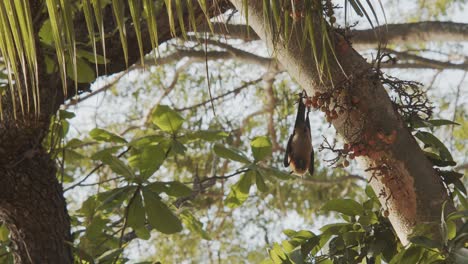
(311, 165)
(288, 151)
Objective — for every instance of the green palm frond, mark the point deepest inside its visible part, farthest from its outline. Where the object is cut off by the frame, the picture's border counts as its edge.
(136, 14)
(119, 10)
(19, 51)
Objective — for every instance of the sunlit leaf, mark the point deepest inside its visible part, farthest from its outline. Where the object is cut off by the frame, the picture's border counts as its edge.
(159, 215)
(240, 191)
(4, 233)
(261, 147)
(105, 152)
(106, 136)
(166, 118)
(148, 159)
(344, 206)
(207, 135)
(118, 166)
(430, 140)
(230, 153)
(109, 255)
(194, 225)
(260, 182)
(136, 213)
(433, 123)
(172, 188)
(114, 197)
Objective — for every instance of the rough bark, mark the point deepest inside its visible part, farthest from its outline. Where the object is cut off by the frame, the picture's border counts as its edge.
(32, 205)
(33, 208)
(406, 181)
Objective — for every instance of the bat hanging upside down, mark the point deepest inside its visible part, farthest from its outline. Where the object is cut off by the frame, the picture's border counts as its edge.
(299, 152)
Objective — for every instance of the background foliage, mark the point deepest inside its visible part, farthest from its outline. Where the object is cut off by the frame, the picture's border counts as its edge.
(153, 170)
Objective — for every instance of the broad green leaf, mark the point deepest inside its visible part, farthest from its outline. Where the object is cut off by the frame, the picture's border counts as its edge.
(460, 186)
(453, 177)
(433, 123)
(4, 233)
(278, 256)
(105, 152)
(136, 213)
(81, 253)
(229, 153)
(172, 188)
(146, 140)
(336, 244)
(296, 256)
(148, 160)
(115, 197)
(412, 254)
(63, 114)
(167, 119)
(307, 247)
(240, 191)
(260, 182)
(45, 33)
(85, 73)
(159, 215)
(370, 192)
(425, 242)
(451, 230)
(106, 136)
(88, 207)
(430, 140)
(438, 161)
(194, 225)
(336, 228)
(261, 147)
(367, 220)
(353, 237)
(143, 233)
(95, 227)
(178, 147)
(368, 205)
(457, 215)
(118, 166)
(289, 233)
(301, 237)
(91, 57)
(345, 206)
(207, 135)
(74, 143)
(109, 255)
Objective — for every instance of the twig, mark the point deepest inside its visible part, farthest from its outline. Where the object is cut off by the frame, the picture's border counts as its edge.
(234, 91)
(93, 171)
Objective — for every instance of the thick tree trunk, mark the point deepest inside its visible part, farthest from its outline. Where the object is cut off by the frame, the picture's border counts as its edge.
(407, 185)
(32, 205)
(33, 208)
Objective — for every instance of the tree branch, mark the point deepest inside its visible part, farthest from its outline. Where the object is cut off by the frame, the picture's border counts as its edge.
(420, 62)
(395, 34)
